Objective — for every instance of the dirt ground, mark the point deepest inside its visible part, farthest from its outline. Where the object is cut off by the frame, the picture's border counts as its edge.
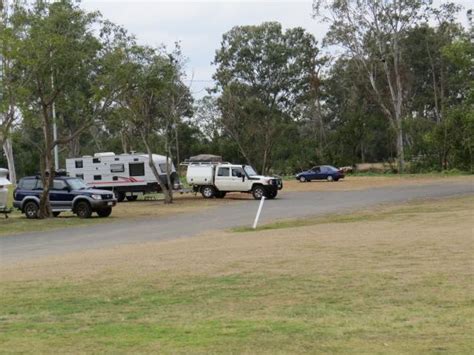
(351, 183)
(429, 226)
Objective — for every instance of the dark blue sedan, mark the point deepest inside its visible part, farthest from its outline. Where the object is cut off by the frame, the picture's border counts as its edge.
(323, 172)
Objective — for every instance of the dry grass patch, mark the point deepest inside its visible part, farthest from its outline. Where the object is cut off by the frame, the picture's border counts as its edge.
(351, 183)
(399, 284)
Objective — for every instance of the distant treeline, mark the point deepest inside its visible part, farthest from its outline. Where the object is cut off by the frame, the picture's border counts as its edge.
(399, 91)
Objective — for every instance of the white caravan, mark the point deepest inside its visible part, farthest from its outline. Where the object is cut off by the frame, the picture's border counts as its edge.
(125, 174)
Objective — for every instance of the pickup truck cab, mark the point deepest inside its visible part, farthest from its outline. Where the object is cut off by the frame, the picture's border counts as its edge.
(215, 180)
(66, 194)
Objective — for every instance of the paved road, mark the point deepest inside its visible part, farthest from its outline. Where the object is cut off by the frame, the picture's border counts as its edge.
(288, 205)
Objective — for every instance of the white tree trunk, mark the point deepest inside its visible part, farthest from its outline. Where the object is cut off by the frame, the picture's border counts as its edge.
(8, 150)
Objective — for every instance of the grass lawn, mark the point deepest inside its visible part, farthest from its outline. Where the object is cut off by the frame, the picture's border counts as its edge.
(398, 280)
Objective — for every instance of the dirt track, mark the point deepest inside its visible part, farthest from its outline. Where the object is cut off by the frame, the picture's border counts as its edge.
(288, 205)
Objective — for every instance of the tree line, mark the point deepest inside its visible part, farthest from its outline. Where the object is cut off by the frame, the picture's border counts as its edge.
(391, 82)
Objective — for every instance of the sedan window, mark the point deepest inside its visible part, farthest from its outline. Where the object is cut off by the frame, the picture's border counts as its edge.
(316, 169)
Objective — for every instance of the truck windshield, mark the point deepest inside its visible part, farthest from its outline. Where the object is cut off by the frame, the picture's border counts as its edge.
(249, 170)
(77, 184)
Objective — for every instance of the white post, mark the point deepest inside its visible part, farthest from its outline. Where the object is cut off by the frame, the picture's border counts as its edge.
(55, 137)
(258, 212)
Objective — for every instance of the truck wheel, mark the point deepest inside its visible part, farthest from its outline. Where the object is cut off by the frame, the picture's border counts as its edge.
(132, 198)
(208, 191)
(220, 194)
(119, 195)
(31, 210)
(272, 193)
(56, 214)
(83, 209)
(258, 192)
(104, 212)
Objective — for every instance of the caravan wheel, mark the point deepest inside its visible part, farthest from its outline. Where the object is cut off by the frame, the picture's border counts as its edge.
(119, 195)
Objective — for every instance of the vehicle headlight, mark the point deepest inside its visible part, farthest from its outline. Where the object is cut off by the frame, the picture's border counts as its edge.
(97, 197)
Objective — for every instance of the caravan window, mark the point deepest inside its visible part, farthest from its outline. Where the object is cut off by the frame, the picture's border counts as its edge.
(136, 169)
(79, 164)
(117, 168)
(97, 177)
(163, 167)
(96, 160)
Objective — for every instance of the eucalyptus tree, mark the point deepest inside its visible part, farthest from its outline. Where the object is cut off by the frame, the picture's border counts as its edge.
(150, 78)
(263, 77)
(63, 63)
(10, 84)
(371, 32)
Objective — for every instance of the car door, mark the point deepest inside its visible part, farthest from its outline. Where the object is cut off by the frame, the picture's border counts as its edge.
(239, 181)
(316, 172)
(223, 179)
(323, 173)
(59, 195)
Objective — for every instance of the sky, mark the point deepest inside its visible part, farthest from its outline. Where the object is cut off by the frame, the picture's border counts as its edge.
(198, 25)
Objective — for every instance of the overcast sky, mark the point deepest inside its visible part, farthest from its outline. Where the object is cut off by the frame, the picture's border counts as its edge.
(199, 25)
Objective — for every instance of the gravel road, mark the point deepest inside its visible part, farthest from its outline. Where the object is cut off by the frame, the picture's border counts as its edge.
(287, 205)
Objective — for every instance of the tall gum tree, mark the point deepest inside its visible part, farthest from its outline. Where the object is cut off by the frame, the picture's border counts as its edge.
(151, 79)
(60, 57)
(10, 84)
(371, 32)
(263, 75)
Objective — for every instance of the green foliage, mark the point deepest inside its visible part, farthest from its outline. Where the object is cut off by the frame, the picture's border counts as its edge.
(276, 104)
(263, 74)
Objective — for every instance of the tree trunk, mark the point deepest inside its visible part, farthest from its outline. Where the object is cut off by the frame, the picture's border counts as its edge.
(169, 197)
(8, 150)
(151, 163)
(47, 170)
(400, 149)
(74, 148)
(124, 140)
(47, 177)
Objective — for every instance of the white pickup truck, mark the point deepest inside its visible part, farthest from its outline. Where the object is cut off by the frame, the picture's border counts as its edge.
(216, 179)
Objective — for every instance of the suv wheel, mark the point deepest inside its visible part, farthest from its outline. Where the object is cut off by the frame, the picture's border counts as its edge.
(83, 209)
(105, 212)
(132, 198)
(31, 210)
(272, 193)
(208, 191)
(258, 192)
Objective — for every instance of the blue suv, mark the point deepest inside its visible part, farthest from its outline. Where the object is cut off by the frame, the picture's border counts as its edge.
(67, 194)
